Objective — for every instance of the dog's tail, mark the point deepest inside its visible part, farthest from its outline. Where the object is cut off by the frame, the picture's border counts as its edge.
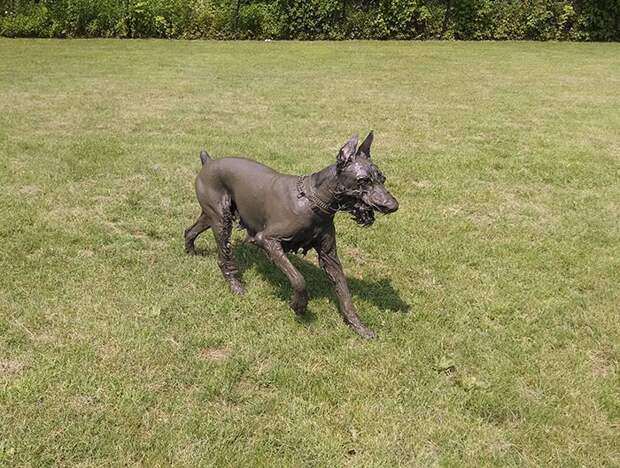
(204, 157)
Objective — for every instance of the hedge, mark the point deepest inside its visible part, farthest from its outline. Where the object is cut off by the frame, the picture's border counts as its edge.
(583, 20)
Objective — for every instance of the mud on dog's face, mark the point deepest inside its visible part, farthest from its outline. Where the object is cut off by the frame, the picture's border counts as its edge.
(361, 188)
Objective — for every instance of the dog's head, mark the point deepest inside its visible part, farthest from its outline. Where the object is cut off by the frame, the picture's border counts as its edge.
(360, 183)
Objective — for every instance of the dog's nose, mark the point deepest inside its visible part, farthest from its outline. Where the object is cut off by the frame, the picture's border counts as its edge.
(383, 201)
(391, 206)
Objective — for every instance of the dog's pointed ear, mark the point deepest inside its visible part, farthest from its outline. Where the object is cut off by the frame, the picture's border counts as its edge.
(347, 152)
(364, 149)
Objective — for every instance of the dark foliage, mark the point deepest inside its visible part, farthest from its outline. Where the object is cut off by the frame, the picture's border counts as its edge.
(597, 20)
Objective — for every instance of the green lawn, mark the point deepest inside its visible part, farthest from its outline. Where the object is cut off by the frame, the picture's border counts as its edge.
(494, 289)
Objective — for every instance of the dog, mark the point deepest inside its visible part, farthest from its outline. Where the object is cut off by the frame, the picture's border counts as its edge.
(285, 213)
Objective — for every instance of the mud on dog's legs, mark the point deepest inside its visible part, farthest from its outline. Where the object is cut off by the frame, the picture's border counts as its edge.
(222, 230)
(299, 301)
(330, 263)
(201, 225)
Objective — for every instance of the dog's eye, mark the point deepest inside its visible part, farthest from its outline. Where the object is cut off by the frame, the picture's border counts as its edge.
(364, 181)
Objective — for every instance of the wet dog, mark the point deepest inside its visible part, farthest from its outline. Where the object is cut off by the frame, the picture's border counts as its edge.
(285, 213)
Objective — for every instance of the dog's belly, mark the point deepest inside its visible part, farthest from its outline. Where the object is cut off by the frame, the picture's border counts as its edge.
(293, 238)
(303, 240)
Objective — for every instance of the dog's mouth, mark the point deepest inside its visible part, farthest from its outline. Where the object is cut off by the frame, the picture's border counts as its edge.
(361, 212)
(363, 205)
(381, 201)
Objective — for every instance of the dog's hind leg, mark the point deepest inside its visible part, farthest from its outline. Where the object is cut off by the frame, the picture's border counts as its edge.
(222, 230)
(201, 225)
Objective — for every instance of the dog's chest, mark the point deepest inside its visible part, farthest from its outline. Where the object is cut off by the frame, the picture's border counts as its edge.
(304, 239)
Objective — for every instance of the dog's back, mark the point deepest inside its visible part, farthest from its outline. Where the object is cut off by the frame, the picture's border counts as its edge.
(235, 175)
(255, 190)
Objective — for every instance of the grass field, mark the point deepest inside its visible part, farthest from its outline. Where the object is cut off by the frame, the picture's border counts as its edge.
(494, 289)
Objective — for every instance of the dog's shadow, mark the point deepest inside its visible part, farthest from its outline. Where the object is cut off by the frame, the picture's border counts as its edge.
(379, 292)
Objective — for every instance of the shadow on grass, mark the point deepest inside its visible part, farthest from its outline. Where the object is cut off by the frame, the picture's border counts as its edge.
(379, 292)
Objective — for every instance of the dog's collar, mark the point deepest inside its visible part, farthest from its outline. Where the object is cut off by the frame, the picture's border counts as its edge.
(304, 189)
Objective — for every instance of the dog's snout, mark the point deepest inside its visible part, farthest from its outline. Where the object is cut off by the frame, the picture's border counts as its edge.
(384, 201)
(391, 206)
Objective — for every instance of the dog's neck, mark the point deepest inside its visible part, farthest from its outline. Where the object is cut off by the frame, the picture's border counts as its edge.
(323, 185)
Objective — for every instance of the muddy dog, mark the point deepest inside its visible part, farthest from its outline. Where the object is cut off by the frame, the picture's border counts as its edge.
(284, 213)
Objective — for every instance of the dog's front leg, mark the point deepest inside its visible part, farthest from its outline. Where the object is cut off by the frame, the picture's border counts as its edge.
(329, 261)
(274, 249)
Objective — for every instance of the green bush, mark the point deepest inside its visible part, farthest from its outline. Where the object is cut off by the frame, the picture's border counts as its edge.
(310, 19)
(257, 21)
(34, 22)
(360, 24)
(509, 20)
(82, 18)
(200, 21)
(402, 19)
(597, 20)
(473, 19)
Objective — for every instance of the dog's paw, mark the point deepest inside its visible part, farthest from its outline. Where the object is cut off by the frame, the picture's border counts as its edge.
(299, 310)
(237, 287)
(365, 332)
(299, 304)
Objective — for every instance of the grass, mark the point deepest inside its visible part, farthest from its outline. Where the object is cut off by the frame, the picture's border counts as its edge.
(494, 289)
